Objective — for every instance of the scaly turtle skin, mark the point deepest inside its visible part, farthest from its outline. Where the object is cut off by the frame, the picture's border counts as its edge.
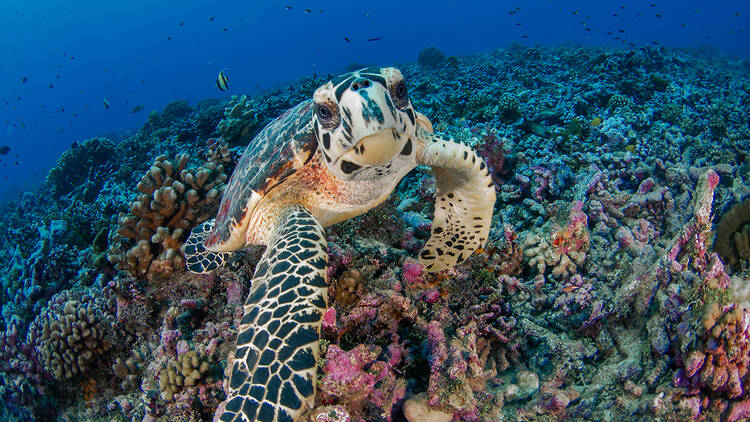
(320, 163)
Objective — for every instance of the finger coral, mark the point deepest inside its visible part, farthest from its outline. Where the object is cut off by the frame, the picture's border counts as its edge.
(172, 200)
(71, 333)
(241, 120)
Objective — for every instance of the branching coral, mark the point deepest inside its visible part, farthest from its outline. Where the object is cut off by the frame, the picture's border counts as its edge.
(72, 332)
(240, 120)
(350, 287)
(191, 365)
(459, 371)
(564, 250)
(173, 199)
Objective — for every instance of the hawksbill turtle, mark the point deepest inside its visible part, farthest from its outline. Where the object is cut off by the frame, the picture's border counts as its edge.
(323, 161)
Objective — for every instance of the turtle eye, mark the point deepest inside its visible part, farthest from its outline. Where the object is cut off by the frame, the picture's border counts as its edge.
(324, 113)
(401, 95)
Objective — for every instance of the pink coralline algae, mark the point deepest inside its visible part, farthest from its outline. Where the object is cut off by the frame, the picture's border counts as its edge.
(493, 152)
(358, 380)
(412, 272)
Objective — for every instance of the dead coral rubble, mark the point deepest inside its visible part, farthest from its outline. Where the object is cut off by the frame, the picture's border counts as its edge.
(173, 199)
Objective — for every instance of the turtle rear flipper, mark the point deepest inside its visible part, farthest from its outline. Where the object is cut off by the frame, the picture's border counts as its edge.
(464, 201)
(273, 372)
(198, 259)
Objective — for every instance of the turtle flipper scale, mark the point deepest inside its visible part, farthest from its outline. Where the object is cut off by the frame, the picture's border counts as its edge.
(198, 259)
(464, 201)
(272, 376)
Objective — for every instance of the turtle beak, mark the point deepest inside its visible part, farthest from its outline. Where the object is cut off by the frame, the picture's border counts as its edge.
(377, 149)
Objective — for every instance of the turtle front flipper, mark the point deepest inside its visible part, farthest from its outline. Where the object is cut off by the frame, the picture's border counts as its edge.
(198, 259)
(272, 376)
(464, 201)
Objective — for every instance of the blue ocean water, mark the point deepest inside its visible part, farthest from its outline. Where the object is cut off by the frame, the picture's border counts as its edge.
(62, 60)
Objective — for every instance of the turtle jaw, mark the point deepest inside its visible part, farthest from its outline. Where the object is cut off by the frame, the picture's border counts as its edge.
(377, 149)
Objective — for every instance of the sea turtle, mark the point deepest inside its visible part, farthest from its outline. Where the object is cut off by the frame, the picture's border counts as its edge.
(324, 161)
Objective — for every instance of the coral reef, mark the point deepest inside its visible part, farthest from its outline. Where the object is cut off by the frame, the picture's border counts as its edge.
(241, 120)
(601, 294)
(430, 57)
(173, 199)
(72, 333)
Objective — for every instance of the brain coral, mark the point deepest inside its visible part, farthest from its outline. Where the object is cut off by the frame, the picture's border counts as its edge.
(172, 200)
(69, 335)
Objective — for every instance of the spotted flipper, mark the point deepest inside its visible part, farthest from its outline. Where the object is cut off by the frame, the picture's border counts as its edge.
(273, 372)
(198, 259)
(464, 201)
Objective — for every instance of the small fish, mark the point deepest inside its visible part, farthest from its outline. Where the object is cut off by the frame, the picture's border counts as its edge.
(24, 79)
(596, 122)
(524, 36)
(182, 23)
(657, 15)
(51, 86)
(4, 149)
(308, 10)
(347, 40)
(211, 19)
(222, 82)
(569, 288)
(225, 29)
(106, 102)
(169, 38)
(137, 108)
(288, 7)
(375, 39)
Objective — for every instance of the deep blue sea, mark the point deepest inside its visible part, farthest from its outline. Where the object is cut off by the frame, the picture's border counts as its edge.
(62, 60)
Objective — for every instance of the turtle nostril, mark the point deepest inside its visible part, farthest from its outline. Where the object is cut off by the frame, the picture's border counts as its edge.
(360, 83)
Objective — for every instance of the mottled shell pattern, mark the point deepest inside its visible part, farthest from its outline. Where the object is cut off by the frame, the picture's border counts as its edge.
(277, 152)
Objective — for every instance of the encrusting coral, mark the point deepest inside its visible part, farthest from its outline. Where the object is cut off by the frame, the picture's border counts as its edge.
(173, 199)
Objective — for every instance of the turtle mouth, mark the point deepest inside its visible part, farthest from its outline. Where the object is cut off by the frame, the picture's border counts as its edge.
(378, 148)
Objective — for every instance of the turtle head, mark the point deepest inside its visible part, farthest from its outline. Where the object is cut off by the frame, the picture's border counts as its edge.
(365, 124)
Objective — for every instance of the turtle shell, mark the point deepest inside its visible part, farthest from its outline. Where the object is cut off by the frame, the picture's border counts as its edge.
(278, 151)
